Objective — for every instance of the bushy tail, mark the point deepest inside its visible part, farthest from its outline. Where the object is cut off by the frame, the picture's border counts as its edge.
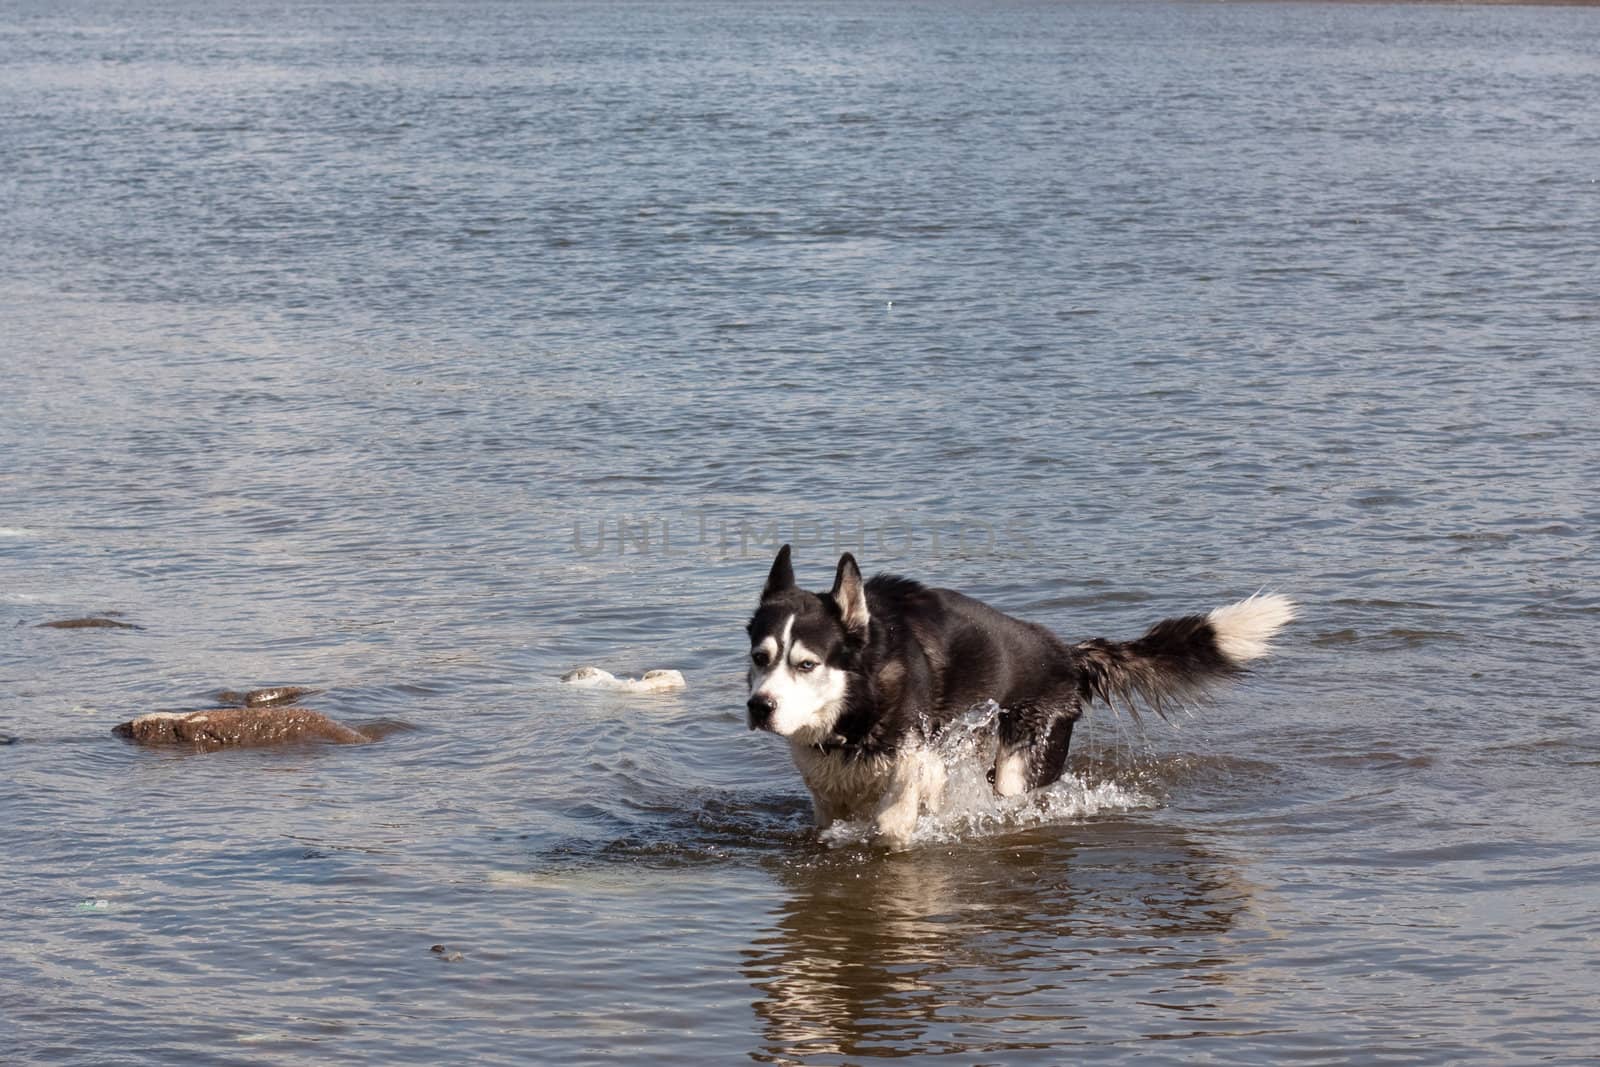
(1179, 659)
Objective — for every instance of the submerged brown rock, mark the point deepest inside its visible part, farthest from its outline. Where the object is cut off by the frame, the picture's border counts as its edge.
(94, 622)
(218, 727)
(261, 698)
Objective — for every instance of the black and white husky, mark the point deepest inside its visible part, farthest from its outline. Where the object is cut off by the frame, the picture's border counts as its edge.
(861, 677)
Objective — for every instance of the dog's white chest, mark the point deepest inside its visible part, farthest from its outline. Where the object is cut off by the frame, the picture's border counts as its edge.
(843, 787)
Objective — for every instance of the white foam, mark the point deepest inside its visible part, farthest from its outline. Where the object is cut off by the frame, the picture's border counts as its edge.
(261, 1038)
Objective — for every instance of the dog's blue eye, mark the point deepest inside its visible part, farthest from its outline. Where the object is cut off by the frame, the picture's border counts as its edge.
(806, 666)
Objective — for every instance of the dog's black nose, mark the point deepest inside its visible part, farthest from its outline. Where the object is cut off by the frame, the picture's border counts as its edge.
(761, 709)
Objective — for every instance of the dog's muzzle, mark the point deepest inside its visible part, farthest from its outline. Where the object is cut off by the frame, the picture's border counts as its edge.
(761, 708)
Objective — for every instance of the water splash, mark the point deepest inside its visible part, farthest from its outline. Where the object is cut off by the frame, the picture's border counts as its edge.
(971, 808)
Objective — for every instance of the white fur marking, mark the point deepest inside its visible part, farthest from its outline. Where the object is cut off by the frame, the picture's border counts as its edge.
(769, 646)
(807, 703)
(799, 653)
(1244, 629)
(1011, 773)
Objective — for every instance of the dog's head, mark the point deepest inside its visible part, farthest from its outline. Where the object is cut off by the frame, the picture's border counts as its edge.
(804, 647)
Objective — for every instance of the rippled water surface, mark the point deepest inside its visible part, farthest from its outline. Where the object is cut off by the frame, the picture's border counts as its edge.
(424, 352)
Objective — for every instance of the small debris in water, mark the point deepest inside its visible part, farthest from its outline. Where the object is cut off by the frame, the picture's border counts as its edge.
(657, 681)
(219, 727)
(445, 954)
(93, 905)
(261, 698)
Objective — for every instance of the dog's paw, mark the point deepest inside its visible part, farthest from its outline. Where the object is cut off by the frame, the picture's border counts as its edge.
(895, 839)
(895, 826)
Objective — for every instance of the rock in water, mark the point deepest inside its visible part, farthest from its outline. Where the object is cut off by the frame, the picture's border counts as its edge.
(220, 727)
(658, 681)
(91, 623)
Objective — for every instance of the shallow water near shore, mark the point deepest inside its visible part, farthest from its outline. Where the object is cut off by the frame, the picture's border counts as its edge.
(423, 353)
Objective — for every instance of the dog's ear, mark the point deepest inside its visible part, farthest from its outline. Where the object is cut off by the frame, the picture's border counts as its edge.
(850, 595)
(781, 578)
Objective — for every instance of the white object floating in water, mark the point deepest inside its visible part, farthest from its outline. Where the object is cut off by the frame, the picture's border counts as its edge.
(652, 682)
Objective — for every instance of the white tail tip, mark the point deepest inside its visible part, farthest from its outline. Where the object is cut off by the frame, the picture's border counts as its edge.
(1244, 629)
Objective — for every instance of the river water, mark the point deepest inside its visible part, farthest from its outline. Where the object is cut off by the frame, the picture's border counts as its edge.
(424, 352)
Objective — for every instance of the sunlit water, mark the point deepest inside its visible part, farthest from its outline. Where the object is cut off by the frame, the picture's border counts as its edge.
(425, 352)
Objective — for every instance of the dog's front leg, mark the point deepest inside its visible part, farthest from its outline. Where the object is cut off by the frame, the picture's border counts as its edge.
(823, 813)
(896, 816)
(934, 777)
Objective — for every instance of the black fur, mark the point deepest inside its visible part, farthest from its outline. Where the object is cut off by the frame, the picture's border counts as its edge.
(928, 655)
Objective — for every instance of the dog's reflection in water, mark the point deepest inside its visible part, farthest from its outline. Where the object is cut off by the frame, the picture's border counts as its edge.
(1010, 943)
